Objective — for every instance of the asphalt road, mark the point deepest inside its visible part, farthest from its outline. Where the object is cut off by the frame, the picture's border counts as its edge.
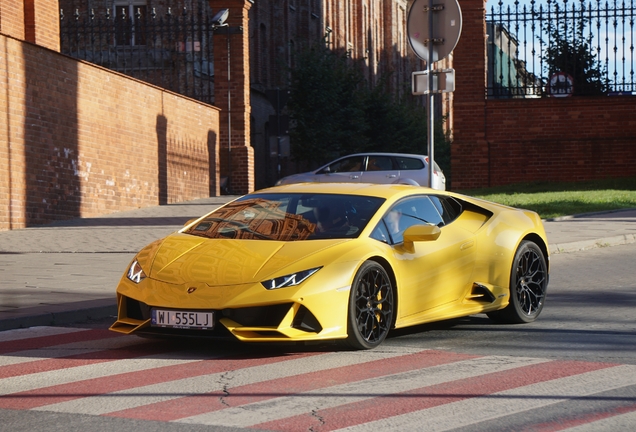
(590, 314)
(573, 369)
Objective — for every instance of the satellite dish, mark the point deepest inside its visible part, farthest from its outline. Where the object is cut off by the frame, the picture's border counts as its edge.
(220, 17)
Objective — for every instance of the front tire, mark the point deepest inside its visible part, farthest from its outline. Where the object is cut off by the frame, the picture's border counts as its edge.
(371, 307)
(528, 286)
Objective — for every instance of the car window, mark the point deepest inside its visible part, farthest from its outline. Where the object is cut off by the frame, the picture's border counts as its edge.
(288, 217)
(350, 164)
(380, 163)
(413, 211)
(408, 163)
(448, 207)
(381, 233)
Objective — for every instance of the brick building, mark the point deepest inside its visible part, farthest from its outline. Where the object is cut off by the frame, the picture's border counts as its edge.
(78, 140)
(371, 30)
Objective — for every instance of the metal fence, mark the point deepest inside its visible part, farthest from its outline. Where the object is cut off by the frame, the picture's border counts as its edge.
(560, 48)
(171, 50)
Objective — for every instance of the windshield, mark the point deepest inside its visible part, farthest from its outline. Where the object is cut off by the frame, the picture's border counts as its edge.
(289, 217)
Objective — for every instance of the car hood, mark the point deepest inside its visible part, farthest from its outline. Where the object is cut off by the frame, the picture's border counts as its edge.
(185, 258)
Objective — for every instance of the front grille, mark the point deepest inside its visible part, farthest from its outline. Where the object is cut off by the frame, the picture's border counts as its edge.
(136, 309)
(260, 316)
(306, 321)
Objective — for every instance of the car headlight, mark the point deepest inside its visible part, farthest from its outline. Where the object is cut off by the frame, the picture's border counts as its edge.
(289, 280)
(135, 272)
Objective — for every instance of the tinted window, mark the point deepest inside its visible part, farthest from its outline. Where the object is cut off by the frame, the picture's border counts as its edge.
(380, 163)
(350, 164)
(407, 163)
(289, 217)
(448, 207)
(381, 233)
(406, 213)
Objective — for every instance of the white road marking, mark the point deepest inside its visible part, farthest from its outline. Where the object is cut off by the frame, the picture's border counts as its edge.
(279, 408)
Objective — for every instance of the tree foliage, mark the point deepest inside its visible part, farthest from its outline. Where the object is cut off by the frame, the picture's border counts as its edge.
(325, 106)
(571, 52)
(336, 112)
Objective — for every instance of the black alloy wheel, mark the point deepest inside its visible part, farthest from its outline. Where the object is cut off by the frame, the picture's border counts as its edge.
(528, 286)
(371, 307)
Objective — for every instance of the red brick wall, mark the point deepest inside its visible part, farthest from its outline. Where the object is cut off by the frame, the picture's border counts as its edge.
(12, 18)
(498, 142)
(232, 97)
(42, 23)
(560, 139)
(469, 150)
(79, 140)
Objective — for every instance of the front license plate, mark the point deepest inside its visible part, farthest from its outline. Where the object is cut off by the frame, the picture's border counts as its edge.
(182, 319)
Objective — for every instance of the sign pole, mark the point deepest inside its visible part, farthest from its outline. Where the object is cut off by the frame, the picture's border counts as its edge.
(432, 45)
(431, 100)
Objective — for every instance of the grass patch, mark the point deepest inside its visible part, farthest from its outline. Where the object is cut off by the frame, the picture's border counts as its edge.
(552, 200)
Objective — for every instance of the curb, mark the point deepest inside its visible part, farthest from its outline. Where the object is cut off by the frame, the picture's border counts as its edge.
(592, 244)
(581, 215)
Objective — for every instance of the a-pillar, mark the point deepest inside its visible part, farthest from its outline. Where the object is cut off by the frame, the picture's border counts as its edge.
(232, 95)
(469, 149)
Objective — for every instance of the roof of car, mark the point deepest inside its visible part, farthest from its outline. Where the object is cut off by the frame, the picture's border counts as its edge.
(384, 154)
(379, 190)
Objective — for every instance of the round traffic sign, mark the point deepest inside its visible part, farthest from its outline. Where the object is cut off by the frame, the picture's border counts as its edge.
(447, 26)
(561, 84)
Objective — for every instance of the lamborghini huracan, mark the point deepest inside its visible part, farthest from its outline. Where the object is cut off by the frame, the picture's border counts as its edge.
(342, 261)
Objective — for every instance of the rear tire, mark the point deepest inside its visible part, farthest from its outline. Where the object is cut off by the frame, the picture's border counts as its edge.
(528, 286)
(371, 307)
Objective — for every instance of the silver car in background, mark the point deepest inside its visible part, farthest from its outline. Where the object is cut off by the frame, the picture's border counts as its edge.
(399, 168)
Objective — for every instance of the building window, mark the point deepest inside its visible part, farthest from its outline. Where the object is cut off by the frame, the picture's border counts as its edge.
(130, 16)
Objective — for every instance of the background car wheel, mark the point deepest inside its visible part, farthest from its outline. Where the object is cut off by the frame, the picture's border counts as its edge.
(371, 305)
(528, 285)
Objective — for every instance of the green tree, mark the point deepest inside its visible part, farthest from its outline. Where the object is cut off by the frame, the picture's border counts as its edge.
(326, 106)
(335, 112)
(569, 51)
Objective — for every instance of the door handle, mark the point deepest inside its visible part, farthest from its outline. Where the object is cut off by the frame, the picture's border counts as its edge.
(467, 245)
(354, 176)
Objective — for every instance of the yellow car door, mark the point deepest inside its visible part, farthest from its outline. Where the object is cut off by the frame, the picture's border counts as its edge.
(430, 273)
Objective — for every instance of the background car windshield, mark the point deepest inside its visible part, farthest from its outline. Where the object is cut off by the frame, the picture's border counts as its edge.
(289, 217)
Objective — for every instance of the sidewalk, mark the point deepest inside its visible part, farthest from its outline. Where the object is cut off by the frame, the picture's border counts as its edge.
(67, 271)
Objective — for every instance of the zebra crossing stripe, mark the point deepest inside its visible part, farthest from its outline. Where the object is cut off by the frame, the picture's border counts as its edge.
(15, 345)
(553, 383)
(621, 422)
(240, 395)
(112, 377)
(123, 348)
(392, 388)
(293, 408)
(213, 375)
(31, 332)
(601, 418)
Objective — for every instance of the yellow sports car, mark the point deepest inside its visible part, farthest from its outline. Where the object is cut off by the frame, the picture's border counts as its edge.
(349, 262)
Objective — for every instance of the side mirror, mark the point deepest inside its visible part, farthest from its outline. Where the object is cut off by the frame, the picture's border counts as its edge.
(418, 233)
